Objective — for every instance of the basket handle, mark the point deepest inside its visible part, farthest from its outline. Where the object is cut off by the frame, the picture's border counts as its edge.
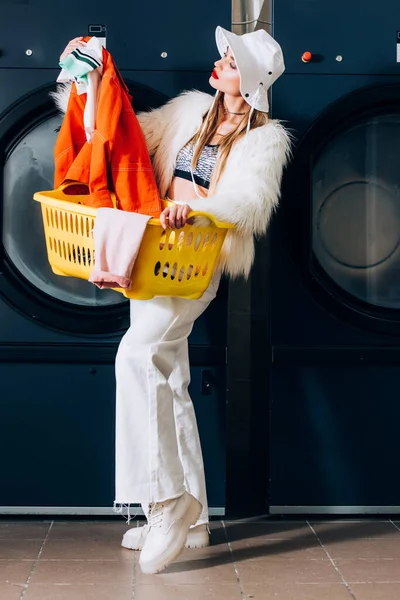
(71, 183)
(199, 213)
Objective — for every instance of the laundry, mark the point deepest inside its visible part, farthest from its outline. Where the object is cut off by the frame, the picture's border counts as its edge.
(116, 159)
(80, 62)
(85, 67)
(117, 238)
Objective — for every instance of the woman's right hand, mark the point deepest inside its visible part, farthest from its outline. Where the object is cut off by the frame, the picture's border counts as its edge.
(72, 45)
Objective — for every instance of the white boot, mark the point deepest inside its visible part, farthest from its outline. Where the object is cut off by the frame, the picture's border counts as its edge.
(169, 524)
(197, 537)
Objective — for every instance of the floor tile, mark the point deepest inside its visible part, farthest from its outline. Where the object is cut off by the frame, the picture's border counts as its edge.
(275, 540)
(83, 572)
(376, 591)
(318, 591)
(364, 548)
(336, 531)
(369, 571)
(24, 530)
(237, 530)
(10, 591)
(275, 560)
(77, 530)
(285, 549)
(19, 549)
(78, 592)
(201, 566)
(15, 571)
(224, 591)
(85, 549)
(279, 573)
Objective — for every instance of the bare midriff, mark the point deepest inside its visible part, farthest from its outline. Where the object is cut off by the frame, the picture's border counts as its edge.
(183, 190)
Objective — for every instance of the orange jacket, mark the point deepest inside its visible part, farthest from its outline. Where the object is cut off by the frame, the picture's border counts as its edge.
(117, 159)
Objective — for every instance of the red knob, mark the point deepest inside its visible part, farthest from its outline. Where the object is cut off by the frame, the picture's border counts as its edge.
(307, 56)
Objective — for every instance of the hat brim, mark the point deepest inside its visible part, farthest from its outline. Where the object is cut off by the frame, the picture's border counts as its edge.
(227, 39)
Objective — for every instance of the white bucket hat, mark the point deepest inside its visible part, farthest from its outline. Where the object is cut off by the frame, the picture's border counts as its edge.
(259, 60)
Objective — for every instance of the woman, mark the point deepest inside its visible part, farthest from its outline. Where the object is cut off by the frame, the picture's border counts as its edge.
(220, 155)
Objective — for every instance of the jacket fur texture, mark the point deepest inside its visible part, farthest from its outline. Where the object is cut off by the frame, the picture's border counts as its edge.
(248, 190)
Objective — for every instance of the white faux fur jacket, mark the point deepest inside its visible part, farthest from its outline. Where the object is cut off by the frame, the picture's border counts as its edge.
(249, 187)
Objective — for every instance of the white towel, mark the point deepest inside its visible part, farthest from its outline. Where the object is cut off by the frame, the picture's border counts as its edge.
(84, 66)
(117, 238)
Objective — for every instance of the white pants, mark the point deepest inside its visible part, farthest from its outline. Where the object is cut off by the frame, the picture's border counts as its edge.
(158, 453)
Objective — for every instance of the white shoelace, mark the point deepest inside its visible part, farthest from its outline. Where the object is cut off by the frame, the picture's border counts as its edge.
(155, 515)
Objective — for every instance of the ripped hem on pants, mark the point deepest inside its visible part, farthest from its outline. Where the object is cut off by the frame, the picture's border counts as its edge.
(118, 509)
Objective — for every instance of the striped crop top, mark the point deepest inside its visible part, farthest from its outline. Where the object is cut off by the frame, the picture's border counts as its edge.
(205, 164)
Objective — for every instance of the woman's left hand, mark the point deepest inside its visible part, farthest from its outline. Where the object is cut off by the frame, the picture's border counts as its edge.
(175, 216)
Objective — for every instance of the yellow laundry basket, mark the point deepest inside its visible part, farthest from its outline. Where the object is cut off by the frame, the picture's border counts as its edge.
(170, 262)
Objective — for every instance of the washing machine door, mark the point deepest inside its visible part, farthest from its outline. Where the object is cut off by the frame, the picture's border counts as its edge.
(341, 208)
(28, 132)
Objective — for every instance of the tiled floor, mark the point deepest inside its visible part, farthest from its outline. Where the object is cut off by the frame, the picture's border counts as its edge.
(263, 560)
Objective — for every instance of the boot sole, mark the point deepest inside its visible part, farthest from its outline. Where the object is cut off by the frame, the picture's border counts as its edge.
(129, 546)
(200, 543)
(153, 567)
(194, 540)
(198, 540)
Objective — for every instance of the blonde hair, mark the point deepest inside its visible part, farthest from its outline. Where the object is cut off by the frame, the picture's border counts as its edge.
(211, 121)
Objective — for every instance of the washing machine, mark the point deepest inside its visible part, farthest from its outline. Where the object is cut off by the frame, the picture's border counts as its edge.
(335, 262)
(58, 335)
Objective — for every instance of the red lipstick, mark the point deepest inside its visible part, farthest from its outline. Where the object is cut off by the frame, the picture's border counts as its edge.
(214, 74)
